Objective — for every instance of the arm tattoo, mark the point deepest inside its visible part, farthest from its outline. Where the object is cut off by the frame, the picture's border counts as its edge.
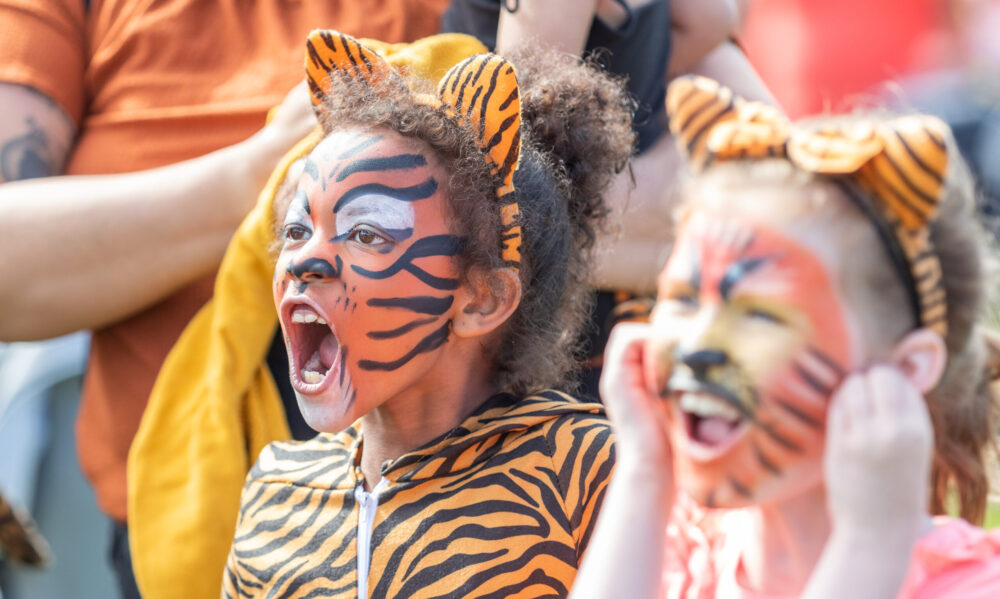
(27, 156)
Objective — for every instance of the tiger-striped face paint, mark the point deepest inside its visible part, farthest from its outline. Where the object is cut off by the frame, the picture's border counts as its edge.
(367, 273)
(749, 341)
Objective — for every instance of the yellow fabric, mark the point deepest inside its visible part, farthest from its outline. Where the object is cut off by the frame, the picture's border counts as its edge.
(215, 405)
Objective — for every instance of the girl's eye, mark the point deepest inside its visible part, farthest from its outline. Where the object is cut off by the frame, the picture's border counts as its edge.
(296, 233)
(366, 236)
(765, 316)
(686, 299)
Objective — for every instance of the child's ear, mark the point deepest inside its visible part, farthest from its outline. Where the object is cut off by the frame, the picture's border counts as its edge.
(922, 356)
(486, 301)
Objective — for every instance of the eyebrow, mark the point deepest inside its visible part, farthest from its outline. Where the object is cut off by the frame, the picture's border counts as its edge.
(739, 270)
(386, 163)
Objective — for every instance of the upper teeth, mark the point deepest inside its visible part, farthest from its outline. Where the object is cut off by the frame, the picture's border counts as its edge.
(708, 406)
(307, 316)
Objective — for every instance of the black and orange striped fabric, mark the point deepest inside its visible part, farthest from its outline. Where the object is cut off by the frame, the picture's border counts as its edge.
(503, 506)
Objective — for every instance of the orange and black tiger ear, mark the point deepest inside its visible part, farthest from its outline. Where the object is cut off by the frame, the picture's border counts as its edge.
(331, 55)
(481, 93)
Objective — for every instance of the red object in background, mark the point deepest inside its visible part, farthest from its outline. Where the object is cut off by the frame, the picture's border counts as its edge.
(816, 54)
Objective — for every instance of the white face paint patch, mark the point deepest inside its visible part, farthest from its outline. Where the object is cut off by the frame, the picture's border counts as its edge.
(385, 213)
(298, 212)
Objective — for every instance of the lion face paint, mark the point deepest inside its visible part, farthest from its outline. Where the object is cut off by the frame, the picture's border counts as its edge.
(366, 277)
(749, 342)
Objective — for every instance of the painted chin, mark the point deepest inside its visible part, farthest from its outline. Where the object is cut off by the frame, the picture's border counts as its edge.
(315, 358)
(707, 426)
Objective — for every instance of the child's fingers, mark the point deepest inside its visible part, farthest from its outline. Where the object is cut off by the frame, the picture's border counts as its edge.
(623, 374)
(889, 391)
(844, 413)
(896, 399)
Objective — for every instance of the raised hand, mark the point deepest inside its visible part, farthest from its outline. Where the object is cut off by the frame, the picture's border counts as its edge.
(878, 453)
(637, 414)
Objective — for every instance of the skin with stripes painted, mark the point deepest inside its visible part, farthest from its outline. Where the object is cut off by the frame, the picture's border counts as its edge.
(367, 278)
(749, 341)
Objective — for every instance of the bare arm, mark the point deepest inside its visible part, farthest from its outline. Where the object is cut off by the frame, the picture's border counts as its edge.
(728, 65)
(698, 26)
(563, 24)
(85, 251)
(625, 556)
(35, 134)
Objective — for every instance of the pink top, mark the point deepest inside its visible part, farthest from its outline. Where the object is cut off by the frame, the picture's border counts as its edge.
(956, 560)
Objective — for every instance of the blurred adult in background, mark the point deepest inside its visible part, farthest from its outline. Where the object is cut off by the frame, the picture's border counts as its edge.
(125, 112)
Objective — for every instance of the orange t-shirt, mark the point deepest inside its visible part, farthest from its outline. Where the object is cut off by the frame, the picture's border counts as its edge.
(153, 82)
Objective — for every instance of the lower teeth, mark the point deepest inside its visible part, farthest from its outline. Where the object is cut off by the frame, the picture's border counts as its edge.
(311, 376)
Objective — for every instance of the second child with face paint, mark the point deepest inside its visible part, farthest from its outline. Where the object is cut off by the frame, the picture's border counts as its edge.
(429, 287)
(812, 382)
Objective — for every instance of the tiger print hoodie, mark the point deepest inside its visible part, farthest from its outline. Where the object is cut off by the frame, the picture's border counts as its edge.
(503, 506)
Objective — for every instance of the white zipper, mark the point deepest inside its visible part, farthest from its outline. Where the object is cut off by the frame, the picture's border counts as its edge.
(366, 522)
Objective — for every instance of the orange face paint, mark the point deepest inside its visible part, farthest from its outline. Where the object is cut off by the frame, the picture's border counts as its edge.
(748, 343)
(366, 277)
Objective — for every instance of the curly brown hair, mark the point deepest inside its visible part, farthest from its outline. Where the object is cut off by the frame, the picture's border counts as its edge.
(576, 135)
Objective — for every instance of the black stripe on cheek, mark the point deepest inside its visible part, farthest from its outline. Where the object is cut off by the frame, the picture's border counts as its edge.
(765, 461)
(343, 364)
(387, 163)
(780, 439)
(421, 191)
(828, 361)
(799, 414)
(740, 488)
(399, 332)
(435, 245)
(813, 383)
(429, 343)
(421, 304)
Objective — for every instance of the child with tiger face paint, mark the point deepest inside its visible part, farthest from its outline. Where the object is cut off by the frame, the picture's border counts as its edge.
(367, 279)
(429, 283)
(812, 348)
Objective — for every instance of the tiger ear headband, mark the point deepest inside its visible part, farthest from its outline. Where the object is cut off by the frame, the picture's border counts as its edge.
(900, 163)
(480, 93)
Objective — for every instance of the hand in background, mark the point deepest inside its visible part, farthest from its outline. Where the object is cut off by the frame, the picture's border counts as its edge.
(878, 454)
(291, 120)
(637, 414)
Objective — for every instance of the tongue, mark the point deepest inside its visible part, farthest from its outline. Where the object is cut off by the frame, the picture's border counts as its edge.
(712, 430)
(328, 350)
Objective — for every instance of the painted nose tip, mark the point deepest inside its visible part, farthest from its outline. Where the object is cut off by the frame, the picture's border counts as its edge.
(700, 361)
(314, 269)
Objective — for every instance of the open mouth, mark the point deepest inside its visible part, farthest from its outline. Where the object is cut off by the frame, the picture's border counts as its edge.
(313, 348)
(712, 423)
